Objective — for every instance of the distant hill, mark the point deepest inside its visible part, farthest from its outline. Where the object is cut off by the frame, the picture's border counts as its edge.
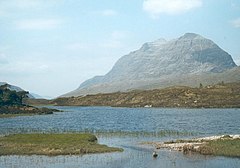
(222, 95)
(188, 60)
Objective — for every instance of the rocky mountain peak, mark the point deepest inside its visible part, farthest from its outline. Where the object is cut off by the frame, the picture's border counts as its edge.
(190, 54)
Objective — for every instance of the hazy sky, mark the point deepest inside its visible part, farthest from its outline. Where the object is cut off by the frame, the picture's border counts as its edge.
(50, 46)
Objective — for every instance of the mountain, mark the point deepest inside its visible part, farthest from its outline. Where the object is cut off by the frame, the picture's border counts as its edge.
(188, 60)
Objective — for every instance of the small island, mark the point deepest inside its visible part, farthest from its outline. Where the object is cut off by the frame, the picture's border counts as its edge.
(11, 104)
(52, 144)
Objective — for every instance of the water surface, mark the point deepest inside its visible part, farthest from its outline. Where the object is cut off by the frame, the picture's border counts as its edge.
(105, 121)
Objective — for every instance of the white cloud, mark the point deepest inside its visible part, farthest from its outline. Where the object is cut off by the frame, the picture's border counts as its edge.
(119, 34)
(157, 7)
(3, 59)
(108, 12)
(77, 46)
(112, 44)
(27, 3)
(22, 4)
(38, 24)
(2, 13)
(24, 67)
(116, 39)
(235, 6)
(236, 23)
(9, 7)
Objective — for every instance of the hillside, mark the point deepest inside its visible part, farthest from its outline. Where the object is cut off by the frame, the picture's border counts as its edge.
(161, 64)
(212, 96)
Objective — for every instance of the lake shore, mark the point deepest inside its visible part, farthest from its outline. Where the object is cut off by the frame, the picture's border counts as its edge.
(52, 144)
(24, 110)
(223, 145)
(211, 96)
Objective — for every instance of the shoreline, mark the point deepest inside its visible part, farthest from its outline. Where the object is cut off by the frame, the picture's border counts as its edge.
(24, 110)
(222, 145)
(212, 96)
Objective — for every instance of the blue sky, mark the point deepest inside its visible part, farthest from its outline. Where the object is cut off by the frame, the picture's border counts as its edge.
(50, 46)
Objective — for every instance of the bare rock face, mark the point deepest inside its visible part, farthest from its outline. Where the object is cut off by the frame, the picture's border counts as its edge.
(160, 61)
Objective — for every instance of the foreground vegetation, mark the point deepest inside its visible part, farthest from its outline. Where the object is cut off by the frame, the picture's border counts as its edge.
(212, 96)
(225, 145)
(52, 144)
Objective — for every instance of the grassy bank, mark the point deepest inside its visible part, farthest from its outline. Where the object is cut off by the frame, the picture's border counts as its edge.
(223, 145)
(52, 144)
(226, 147)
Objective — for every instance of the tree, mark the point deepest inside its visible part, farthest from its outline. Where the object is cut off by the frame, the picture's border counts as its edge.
(11, 97)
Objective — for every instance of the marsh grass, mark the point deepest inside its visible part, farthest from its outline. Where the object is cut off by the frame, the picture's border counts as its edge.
(102, 133)
(222, 147)
(52, 144)
(225, 146)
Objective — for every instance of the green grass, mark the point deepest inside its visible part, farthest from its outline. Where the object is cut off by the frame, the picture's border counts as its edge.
(222, 147)
(52, 144)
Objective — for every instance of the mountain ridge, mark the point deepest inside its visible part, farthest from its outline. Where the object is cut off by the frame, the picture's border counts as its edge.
(158, 61)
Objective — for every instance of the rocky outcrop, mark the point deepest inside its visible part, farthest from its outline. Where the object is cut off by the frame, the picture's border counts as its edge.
(160, 64)
(25, 109)
(16, 88)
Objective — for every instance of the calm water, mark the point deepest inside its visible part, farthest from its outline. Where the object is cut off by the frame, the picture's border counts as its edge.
(178, 123)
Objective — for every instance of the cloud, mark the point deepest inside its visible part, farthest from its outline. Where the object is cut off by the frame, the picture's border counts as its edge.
(119, 34)
(8, 8)
(27, 3)
(111, 44)
(172, 7)
(38, 24)
(108, 12)
(77, 46)
(115, 40)
(236, 23)
(24, 67)
(3, 59)
(21, 4)
(235, 6)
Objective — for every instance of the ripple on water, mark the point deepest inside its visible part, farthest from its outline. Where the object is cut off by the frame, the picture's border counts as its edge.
(125, 127)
